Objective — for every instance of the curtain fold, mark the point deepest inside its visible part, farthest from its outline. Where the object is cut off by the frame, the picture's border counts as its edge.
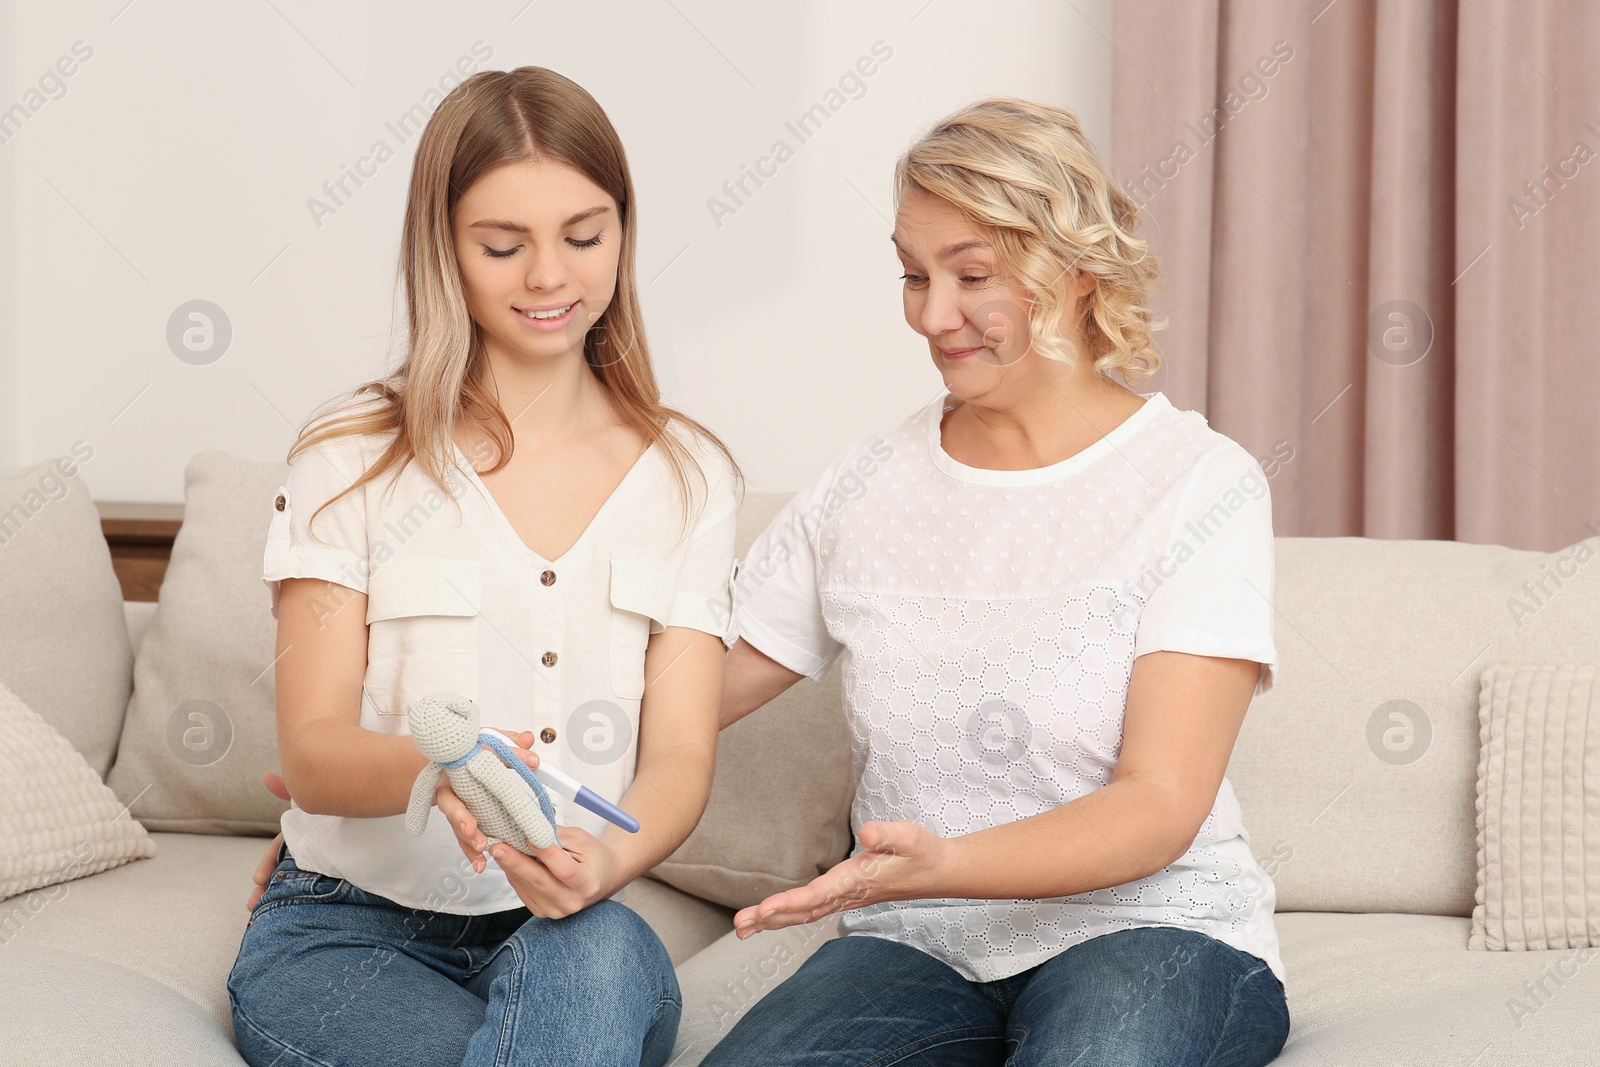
(1377, 221)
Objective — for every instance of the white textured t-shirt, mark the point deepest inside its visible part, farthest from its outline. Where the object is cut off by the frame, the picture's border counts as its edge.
(457, 603)
(989, 620)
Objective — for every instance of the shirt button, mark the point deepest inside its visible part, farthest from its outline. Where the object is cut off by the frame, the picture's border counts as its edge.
(548, 578)
(548, 659)
(547, 735)
(279, 503)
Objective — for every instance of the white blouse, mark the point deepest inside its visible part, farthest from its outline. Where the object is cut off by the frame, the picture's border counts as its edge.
(456, 602)
(988, 622)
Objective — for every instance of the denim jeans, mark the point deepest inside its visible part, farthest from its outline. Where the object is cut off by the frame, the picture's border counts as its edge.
(329, 974)
(1150, 996)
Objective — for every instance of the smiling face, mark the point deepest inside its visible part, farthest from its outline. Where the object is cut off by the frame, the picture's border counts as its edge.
(958, 296)
(538, 244)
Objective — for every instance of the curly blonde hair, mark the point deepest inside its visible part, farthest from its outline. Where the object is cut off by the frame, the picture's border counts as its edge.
(1028, 177)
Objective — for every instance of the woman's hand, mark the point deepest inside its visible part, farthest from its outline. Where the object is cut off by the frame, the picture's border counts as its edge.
(898, 861)
(558, 881)
(452, 807)
(555, 881)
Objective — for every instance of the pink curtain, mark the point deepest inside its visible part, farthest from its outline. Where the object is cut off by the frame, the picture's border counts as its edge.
(1379, 223)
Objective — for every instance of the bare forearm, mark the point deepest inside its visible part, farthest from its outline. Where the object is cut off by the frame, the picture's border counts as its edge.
(751, 680)
(668, 799)
(339, 768)
(1119, 833)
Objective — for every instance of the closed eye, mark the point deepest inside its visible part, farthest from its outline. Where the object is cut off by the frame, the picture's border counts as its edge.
(498, 253)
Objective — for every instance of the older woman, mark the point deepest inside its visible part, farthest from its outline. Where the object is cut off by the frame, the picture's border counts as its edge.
(1053, 600)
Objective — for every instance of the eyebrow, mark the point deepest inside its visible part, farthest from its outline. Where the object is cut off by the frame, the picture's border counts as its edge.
(949, 250)
(517, 227)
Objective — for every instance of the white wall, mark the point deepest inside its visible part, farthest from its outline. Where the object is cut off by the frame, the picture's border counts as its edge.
(10, 356)
(179, 162)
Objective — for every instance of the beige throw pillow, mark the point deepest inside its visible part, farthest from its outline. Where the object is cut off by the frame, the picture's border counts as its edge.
(201, 726)
(58, 820)
(779, 812)
(1357, 773)
(1538, 808)
(64, 644)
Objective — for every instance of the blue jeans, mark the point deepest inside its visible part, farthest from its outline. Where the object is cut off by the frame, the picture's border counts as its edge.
(329, 974)
(1146, 997)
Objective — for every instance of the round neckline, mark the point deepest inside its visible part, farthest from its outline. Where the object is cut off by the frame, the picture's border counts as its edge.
(1108, 442)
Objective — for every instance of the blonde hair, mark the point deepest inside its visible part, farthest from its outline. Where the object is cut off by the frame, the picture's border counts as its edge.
(1029, 178)
(491, 119)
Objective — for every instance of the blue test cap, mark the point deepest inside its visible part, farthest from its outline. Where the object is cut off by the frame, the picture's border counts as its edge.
(608, 811)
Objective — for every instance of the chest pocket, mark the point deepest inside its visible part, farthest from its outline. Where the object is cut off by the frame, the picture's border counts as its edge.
(422, 630)
(642, 589)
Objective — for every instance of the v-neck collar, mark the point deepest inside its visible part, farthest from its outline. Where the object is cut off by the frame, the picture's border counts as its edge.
(511, 531)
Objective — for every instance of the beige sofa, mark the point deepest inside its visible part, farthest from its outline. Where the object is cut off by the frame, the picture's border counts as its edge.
(1371, 846)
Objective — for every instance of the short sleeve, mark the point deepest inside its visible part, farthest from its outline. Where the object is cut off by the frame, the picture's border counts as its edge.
(1214, 597)
(338, 550)
(704, 596)
(778, 599)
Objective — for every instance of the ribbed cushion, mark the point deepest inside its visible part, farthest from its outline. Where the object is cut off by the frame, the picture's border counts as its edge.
(58, 820)
(1538, 808)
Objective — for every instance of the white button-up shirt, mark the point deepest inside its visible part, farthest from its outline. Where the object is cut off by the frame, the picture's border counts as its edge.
(456, 602)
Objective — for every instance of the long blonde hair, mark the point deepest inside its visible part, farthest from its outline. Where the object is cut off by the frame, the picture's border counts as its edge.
(1029, 178)
(491, 119)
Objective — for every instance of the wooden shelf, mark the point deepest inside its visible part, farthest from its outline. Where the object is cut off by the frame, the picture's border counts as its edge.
(140, 537)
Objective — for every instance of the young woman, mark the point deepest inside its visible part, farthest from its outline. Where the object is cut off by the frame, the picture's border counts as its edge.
(572, 577)
(1053, 599)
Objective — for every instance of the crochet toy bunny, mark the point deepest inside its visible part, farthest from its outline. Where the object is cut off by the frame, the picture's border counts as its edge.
(445, 729)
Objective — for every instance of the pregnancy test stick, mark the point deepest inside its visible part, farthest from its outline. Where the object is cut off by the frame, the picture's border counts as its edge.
(579, 793)
(588, 798)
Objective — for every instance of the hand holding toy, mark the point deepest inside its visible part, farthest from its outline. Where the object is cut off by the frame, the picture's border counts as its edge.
(509, 804)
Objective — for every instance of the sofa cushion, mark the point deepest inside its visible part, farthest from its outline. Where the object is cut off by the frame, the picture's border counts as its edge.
(1394, 989)
(722, 983)
(685, 923)
(1538, 808)
(63, 640)
(201, 726)
(175, 919)
(63, 1007)
(190, 907)
(139, 613)
(58, 821)
(779, 811)
(1357, 773)
(1405, 990)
